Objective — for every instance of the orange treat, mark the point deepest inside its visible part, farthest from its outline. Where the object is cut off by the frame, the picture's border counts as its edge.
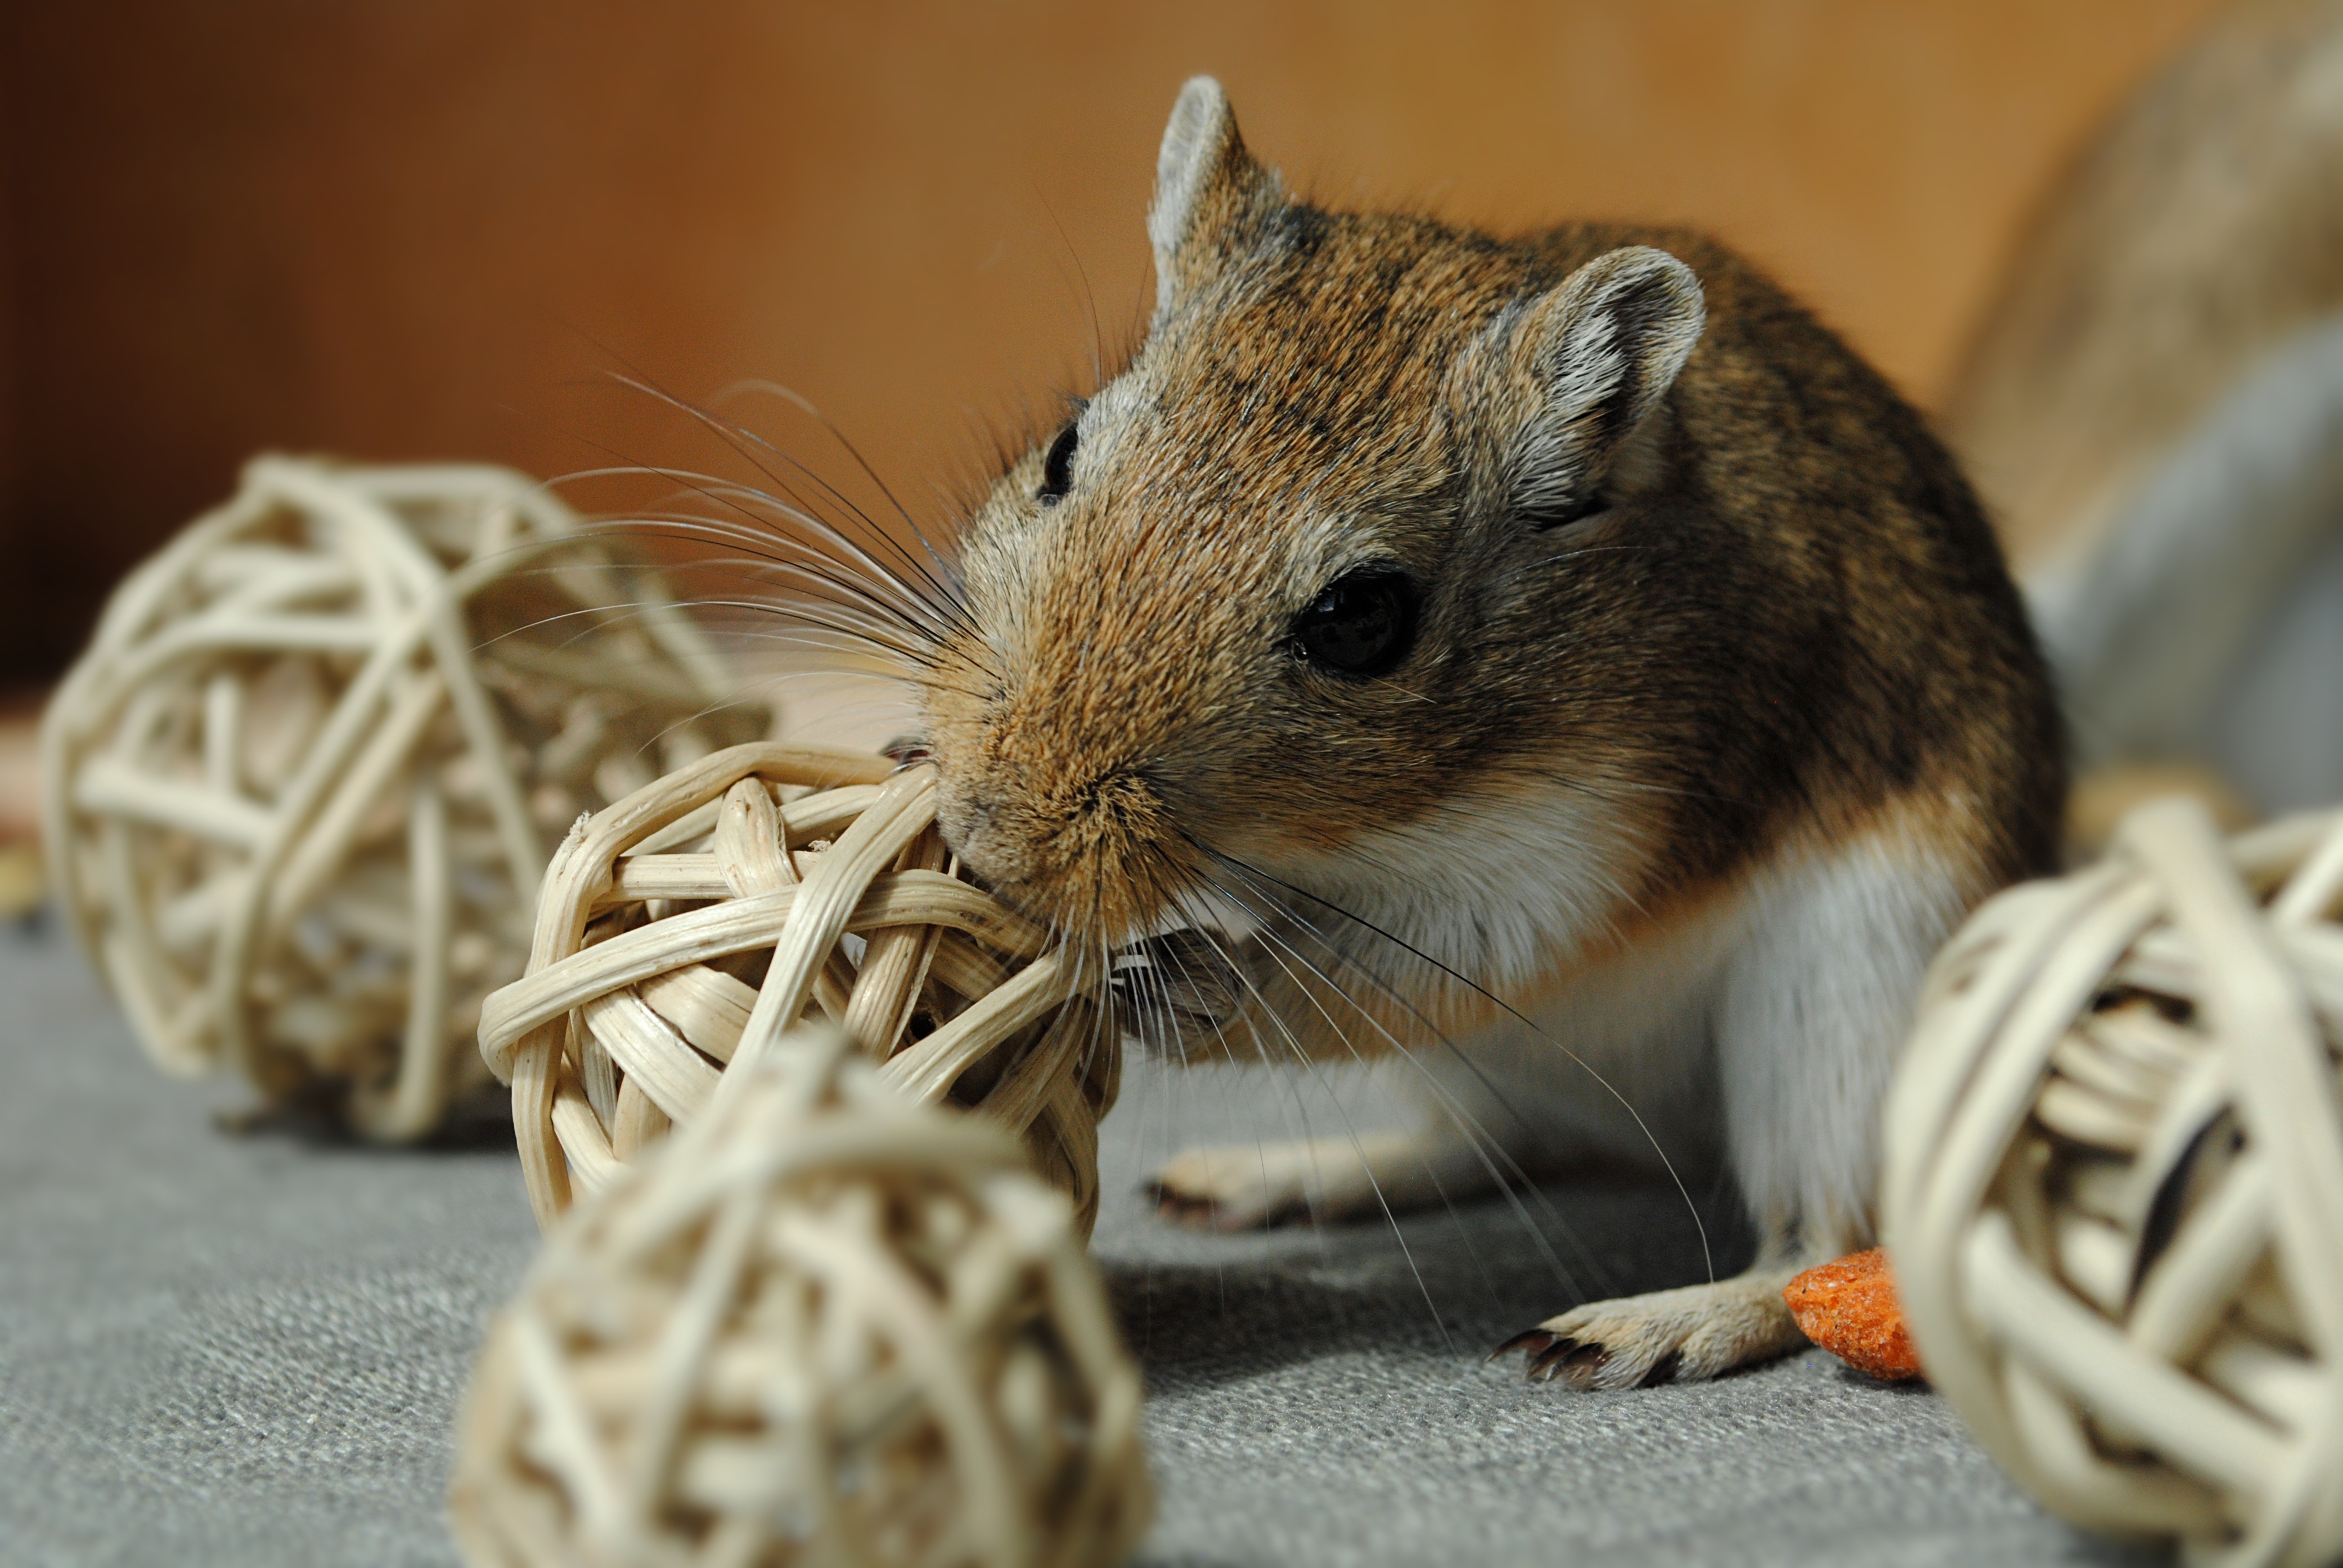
(1850, 1308)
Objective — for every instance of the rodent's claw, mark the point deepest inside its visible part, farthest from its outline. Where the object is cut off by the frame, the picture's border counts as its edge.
(1573, 1360)
(1551, 1355)
(1530, 1339)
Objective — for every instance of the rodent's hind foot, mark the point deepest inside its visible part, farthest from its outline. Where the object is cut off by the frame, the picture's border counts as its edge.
(1687, 1334)
(1250, 1186)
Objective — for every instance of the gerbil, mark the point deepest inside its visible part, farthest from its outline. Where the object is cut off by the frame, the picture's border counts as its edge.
(1562, 643)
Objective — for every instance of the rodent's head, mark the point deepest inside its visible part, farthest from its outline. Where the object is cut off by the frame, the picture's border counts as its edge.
(1300, 573)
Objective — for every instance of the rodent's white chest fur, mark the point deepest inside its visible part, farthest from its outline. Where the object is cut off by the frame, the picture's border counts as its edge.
(1501, 891)
(1769, 1016)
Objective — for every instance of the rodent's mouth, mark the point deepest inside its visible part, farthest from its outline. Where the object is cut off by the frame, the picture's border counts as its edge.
(1181, 960)
(1179, 985)
(1175, 983)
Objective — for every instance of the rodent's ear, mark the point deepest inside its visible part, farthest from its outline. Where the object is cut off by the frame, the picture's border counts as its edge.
(1207, 186)
(1602, 349)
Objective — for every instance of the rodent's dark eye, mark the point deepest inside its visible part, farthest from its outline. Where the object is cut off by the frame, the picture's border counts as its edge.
(1361, 626)
(1058, 466)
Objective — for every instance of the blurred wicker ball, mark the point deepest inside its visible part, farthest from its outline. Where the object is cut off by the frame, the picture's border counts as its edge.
(685, 927)
(824, 1324)
(2114, 1193)
(301, 781)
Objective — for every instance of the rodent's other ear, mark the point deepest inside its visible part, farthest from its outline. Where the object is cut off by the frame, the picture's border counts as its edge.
(1602, 349)
(1206, 187)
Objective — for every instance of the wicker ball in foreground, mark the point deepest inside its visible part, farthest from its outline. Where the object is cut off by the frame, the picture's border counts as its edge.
(302, 780)
(823, 1326)
(2114, 1194)
(682, 929)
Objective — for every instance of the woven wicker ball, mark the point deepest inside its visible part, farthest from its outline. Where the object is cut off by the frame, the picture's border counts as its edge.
(685, 927)
(824, 1326)
(2114, 1194)
(302, 780)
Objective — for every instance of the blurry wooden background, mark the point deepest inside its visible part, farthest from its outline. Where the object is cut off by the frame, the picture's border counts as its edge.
(417, 228)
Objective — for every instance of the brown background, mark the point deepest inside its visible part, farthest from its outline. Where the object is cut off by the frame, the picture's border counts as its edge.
(408, 228)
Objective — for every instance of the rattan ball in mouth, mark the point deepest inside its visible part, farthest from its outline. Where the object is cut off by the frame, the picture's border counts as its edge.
(683, 929)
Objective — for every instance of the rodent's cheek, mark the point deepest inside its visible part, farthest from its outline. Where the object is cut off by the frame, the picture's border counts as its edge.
(1279, 841)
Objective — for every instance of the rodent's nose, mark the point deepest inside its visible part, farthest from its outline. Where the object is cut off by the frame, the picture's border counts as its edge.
(967, 823)
(968, 817)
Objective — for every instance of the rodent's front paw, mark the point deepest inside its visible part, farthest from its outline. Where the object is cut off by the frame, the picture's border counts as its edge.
(1639, 1342)
(1236, 1187)
(1244, 1187)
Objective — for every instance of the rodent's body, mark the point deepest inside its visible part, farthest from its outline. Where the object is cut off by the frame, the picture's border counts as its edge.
(1512, 646)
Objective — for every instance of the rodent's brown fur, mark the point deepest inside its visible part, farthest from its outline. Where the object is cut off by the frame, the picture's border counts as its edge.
(1793, 618)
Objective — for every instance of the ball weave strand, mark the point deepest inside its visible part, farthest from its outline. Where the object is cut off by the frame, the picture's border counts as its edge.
(304, 777)
(683, 929)
(824, 1324)
(2113, 1191)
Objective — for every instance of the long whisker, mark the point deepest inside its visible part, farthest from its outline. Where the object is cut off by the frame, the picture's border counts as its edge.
(1301, 1124)
(604, 617)
(824, 578)
(740, 441)
(752, 502)
(1159, 886)
(947, 582)
(758, 539)
(907, 604)
(638, 379)
(847, 607)
(1368, 1167)
(728, 495)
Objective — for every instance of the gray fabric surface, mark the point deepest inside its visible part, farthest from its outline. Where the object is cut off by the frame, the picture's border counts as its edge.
(248, 1349)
